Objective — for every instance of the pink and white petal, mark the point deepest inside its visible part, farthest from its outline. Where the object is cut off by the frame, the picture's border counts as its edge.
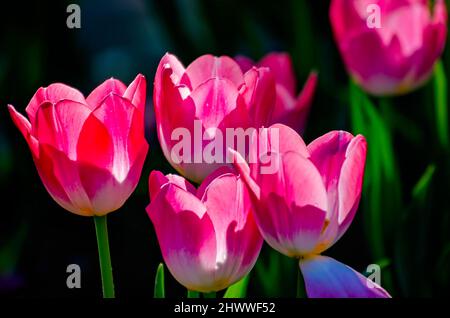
(228, 203)
(223, 170)
(172, 111)
(289, 140)
(300, 182)
(327, 278)
(53, 94)
(281, 66)
(45, 167)
(157, 180)
(24, 127)
(136, 92)
(60, 125)
(168, 62)
(186, 236)
(328, 154)
(307, 223)
(214, 100)
(207, 67)
(288, 198)
(351, 177)
(66, 171)
(278, 138)
(104, 191)
(117, 115)
(110, 86)
(243, 169)
(260, 95)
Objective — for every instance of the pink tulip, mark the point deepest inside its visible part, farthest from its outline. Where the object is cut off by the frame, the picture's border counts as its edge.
(290, 110)
(308, 203)
(389, 47)
(89, 152)
(214, 92)
(208, 237)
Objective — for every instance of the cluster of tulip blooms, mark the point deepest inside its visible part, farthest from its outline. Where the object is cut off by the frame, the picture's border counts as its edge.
(89, 152)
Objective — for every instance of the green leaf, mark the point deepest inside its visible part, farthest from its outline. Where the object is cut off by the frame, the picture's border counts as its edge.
(159, 291)
(421, 188)
(382, 195)
(413, 257)
(440, 96)
(239, 289)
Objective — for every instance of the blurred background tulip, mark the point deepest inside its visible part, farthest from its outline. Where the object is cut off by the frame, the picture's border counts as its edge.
(208, 237)
(389, 47)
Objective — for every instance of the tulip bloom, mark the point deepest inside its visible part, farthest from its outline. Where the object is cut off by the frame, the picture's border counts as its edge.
(389, 47)
(200, 102)
(89, 152)
(208, 237)
(289, 110)
(308, 203)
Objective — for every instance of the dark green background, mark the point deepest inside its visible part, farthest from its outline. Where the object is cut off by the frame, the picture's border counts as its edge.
(120, 39)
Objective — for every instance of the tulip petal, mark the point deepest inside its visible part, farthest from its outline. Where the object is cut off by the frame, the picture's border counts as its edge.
(281, 66)
(328, 154)
(24, 127)
(260, 95)
(294, 112)
(229, 207)
(59, 125)
(136, 92)
(66, 172)
(281, 139)
(218, 103)
(172, 111)
(53, 94)
(110, 86)
(351, 179)
(157, 180)
(120, 118)
(189, 254)
(207, 67)
(168, 62)
(105, 192)
(293, 205)
(327, 278)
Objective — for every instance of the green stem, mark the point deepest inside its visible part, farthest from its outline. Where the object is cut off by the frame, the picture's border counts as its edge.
(301, 293)
(209, 295)
(192, 294)
(101, 229)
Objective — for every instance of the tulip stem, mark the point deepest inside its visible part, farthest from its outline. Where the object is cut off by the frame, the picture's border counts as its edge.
(301, 293)
(209, 295)
(101, 229)
(192, 294)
